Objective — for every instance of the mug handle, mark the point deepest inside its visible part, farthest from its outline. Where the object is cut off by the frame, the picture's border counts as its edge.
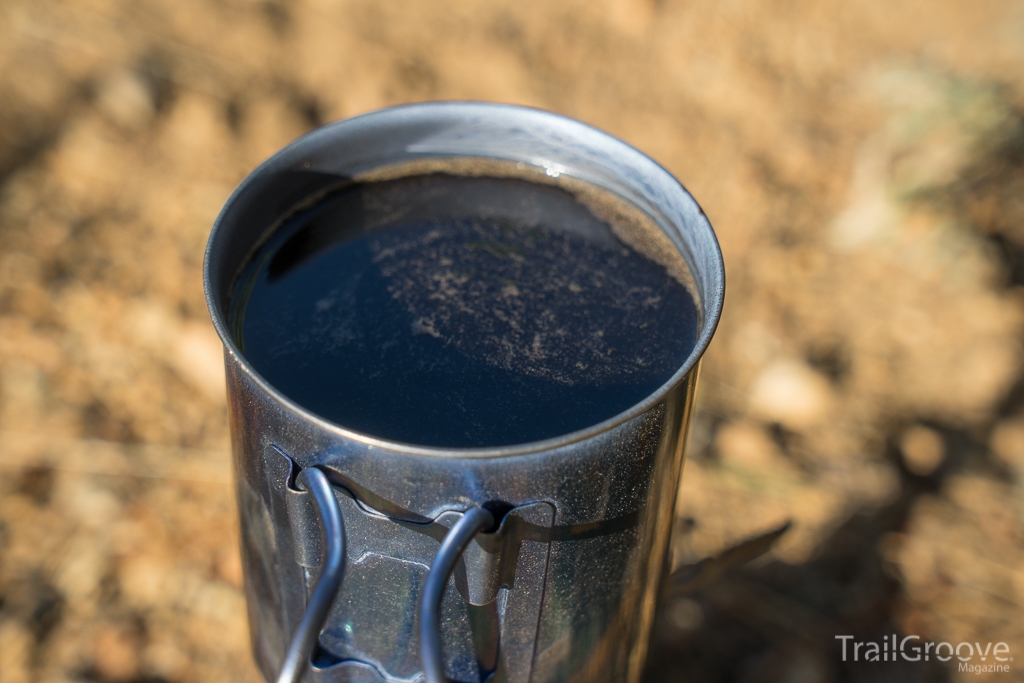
(332, 529)
(473, 521)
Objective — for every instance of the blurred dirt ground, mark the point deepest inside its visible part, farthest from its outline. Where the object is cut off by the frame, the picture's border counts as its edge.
(863, 165)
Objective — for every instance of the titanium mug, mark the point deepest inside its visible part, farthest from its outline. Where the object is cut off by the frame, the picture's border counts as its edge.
(372, 561)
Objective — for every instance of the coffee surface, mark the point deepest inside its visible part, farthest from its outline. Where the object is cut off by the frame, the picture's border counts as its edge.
(460, 311)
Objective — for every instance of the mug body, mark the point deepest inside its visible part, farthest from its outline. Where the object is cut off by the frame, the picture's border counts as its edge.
(566, 588)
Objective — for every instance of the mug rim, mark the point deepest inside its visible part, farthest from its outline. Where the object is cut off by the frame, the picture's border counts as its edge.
(709, 301)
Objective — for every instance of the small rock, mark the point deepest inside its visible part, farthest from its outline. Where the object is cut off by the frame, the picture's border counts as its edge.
(685, 614)
(16, 645)
(164, 659)
(1007, 443)
(84, 564)
(199, 357)
(746, 444)
(229, 567)
(145, 581)
(923, 450)
(126, 99)
(792, 394)
(117, 656)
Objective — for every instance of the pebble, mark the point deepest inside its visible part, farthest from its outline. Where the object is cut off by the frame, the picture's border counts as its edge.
(923, 450)
(791, 393)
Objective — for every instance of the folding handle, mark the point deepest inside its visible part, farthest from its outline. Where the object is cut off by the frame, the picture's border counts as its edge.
(333, 530)
(473, 521)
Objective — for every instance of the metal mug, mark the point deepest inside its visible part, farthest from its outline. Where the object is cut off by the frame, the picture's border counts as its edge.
(565, 588)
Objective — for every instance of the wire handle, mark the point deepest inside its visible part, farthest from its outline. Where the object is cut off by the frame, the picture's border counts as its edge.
(333, 530)
(473, 521)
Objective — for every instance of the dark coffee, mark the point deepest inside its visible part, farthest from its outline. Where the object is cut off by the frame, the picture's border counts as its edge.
(465, 311)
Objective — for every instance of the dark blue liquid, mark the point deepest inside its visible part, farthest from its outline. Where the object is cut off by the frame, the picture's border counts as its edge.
(454, 311)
